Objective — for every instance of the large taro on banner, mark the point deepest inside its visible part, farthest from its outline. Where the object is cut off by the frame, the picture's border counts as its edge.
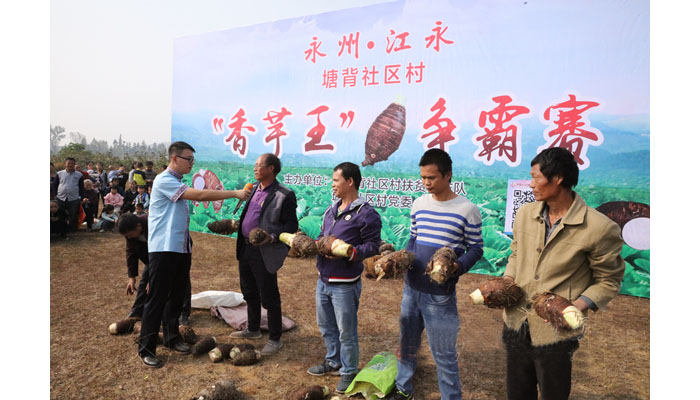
(490, 82)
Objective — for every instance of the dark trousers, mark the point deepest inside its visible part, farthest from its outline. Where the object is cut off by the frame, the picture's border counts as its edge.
(528, 366)
(72, 208)
(168, 275)
(140, 300)
(259, 287)
(90, 212)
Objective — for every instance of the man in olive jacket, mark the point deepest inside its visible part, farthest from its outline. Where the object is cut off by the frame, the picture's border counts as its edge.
(564, 246)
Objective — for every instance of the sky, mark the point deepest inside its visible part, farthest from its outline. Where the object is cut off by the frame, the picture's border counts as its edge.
(112, 62)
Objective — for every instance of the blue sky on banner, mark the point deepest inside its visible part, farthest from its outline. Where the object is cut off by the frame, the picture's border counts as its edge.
(538, 53)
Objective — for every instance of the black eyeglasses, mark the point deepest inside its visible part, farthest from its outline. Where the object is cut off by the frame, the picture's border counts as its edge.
(189, 159)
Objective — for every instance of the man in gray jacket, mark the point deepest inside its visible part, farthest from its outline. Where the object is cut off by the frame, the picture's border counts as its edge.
(272, 208)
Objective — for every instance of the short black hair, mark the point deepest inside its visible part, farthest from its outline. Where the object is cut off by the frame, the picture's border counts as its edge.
(350, 170)
(439, 158)
(271, 159)
(558, 161)
(149, 163)
(176, 148)
(108, 207)
(69, 159)
(128, 222)
(139, 164)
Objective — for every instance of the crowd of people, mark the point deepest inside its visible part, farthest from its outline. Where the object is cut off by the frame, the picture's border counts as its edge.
(560, 245)
(96, 197)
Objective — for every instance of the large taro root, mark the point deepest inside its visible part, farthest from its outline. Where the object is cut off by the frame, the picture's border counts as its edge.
(557, 311)
(222, 390)
(221, 352)
(497, 293)
(238, 348)
(224, 226)
(300, 245)
(258, 237)
(442, 265)
(369, 266)
(204, 345)
(124, 326)
(386, 248)
(315, 392)
(188, 335)
(244, 357)
(385, 134)
(393, 264)
(331, 246)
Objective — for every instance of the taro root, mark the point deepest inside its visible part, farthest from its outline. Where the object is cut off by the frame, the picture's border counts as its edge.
(245, 357)
(124, 326)
(393, 264)
(300, 244)
(331, 246)
(386, 248)
(205, 179)
(385, 134)
(442, 265)
(557, 311)
(369, 266)
(315, 392)
(203, 345)
(221, 352)
(188, 335)
(237, 348)
(222, 390)
(623, 211)
(224, 226)
(497, 293)
(258, 236)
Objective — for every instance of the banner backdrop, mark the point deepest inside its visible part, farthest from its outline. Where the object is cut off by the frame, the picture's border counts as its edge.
(491, 82)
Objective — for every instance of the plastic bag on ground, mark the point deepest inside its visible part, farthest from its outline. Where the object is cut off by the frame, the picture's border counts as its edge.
(377, 378)
(214, 298)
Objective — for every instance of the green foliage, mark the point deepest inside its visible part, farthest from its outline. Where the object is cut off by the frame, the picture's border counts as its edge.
(488, 194)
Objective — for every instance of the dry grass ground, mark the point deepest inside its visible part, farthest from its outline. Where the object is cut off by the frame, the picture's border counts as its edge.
(88, 278)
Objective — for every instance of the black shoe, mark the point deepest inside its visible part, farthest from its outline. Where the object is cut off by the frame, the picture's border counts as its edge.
(180, 347)
(345, 381)
(152, 362)
(184, 320)
(396, 394)
(132, 315)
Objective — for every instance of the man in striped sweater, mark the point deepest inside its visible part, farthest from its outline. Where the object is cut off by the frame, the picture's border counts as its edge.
(439, 218)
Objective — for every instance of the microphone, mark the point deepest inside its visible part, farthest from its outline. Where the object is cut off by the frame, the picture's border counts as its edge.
(248, 186)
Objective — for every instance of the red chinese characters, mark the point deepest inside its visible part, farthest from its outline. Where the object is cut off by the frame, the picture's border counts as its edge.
(237, 138)
(499, 140)
(437, 38)
(315, 135)
(313, 51)
(369, 77)
(275, 128)
(568, 129)
(442, 128)
(351, 43)
(392, 38)
(415, 71)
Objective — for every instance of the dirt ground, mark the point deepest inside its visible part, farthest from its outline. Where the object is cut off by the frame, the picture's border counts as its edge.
(88, 279)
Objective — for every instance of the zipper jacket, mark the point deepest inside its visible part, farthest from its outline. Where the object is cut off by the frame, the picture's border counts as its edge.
(359, 225)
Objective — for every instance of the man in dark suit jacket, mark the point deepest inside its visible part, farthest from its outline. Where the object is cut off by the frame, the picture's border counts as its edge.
(272, 208)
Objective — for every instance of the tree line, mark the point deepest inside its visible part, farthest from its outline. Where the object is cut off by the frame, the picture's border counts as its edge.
(119, 151)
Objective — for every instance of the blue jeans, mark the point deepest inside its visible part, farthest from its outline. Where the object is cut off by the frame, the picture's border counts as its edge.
(437, 314)
(336, 315)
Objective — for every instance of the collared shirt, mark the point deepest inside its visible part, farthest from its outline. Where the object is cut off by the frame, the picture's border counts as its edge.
(68, 185)
(252, 216)
(169, 215)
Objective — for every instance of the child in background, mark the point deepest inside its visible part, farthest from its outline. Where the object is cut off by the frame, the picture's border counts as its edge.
(59, 220)
(129, 197)
(90, 202)
(142, 197)
(139, 210)
(114, 199)
(108, 219)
